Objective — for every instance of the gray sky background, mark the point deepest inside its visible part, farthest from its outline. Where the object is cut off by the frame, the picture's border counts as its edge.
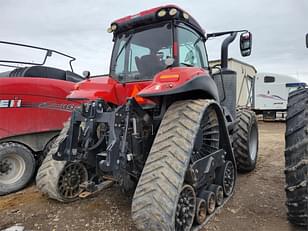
(78, 27)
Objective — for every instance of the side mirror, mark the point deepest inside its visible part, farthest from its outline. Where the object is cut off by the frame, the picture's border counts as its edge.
(86, 74)
(245, 43)
(306, 40)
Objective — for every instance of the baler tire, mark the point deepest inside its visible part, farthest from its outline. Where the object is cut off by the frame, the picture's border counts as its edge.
(296, 158)
(48, 174)
(22, 160)
(245, 152)
(155, 199)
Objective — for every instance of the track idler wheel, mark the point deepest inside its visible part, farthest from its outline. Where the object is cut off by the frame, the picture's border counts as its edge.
(226, 178)
(219, 193)
(186, 206)
(200, 214)
(210, 200)
(70, 180)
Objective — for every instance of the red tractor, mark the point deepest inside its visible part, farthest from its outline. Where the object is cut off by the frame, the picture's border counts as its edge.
(33, 107)
(162, 124)
(296, 156)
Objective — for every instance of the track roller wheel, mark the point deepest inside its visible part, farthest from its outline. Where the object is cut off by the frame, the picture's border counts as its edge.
(219, 193)
(200, 214)
(210, 200)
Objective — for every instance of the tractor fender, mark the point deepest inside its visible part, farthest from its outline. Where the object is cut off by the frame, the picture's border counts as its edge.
(204, 85)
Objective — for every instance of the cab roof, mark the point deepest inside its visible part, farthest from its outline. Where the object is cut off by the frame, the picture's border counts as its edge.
(154, 15)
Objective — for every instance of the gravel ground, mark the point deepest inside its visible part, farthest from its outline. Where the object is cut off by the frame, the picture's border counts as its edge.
(258, 202)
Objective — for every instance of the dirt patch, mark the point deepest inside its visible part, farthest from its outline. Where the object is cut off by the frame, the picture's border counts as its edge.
(258, 202)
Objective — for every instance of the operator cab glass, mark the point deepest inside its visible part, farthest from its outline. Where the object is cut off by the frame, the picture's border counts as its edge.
(139, 54)
(192, 51)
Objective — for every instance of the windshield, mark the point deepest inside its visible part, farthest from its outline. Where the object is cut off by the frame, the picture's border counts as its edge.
(140, 55)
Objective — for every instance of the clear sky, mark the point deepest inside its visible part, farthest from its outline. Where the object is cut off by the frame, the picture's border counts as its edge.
(78, 27)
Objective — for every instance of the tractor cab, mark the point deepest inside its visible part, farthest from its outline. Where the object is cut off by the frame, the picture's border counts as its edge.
(151, 41)
(159, 52)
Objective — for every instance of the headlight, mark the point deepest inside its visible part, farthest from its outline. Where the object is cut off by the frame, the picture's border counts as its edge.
(185, 15)
(161, 13)
(114, 27)
(173, 12)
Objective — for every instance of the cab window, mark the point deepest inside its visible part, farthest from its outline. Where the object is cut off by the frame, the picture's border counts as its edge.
(192, 50)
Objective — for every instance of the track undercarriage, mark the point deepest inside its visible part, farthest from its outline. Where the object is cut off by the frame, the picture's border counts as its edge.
(190, 155)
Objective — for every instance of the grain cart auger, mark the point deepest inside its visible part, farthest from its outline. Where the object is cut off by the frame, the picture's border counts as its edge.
(162, 124)
(296, 156)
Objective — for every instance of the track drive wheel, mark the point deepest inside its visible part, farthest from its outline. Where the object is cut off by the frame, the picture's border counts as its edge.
(17, 166)
(246, 140)
(160, 190)
(60, 180)
(296, 158)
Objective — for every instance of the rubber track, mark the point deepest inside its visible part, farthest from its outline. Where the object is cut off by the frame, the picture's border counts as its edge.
(240, 144)
(155, 199)
(50, 170)
(296, 157)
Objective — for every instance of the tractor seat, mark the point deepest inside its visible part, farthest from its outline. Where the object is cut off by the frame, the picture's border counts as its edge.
(44, 72)
(148, 65)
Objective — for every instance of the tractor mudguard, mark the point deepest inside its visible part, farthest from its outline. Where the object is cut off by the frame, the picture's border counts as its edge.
(203, 84)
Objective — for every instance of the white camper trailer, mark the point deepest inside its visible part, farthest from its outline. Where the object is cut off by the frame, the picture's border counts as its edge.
(270, 93)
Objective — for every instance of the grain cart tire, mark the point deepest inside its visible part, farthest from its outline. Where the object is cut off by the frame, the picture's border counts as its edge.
(161, 194)
(60, 180)
(17, 166)
(246, 140)
(296, 157)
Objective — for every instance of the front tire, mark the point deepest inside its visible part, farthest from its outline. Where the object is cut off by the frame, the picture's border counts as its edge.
(17, 166)
(246, 140)
(296, 157)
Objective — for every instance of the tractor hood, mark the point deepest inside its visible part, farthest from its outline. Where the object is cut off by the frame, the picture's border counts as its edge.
(109, 90)
(94, 88)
